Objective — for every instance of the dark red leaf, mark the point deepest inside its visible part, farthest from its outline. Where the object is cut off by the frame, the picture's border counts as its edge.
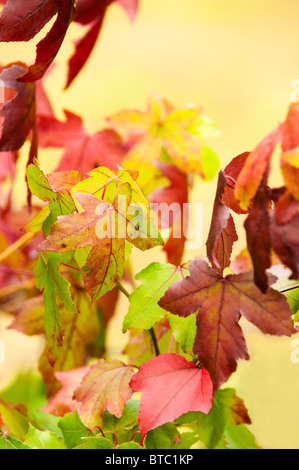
(48, 47)
(222, 234)
(19, 112)
(257, 228)
(219, 302)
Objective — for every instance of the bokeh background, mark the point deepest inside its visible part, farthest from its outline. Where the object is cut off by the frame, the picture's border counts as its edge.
(236, 58)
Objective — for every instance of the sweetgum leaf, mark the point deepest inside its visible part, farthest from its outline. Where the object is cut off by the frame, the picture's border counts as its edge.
(104, 387)
(161, 127)
(10, 442)
(144, 310)
(227, 409)
(63, 403)
(237, 437)
(219, 302)
(19, 112)
(53, 284)
(255, 168)
(171, 386)
(285, 242)
(48, 47)
(73, 430)
(21, 21)
(222, 234)
(92, 13)
(175, 193)
(83, 151)
(257, 227)
(37, 439)
(256, 165)
(231, 172)
(80, 329)
(290, 171)
(95, 443)
(105, 262)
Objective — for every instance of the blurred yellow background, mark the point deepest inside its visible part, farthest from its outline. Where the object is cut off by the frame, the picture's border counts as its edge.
(236, 58)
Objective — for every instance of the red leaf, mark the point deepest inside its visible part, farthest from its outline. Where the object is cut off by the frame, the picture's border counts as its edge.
(19, 111)
(92, 13)
(218, 301)
(175, 193)
(255, 168)
(232, 171)
(63, 403)
(84, 152)
(21, 20)
(257, 228)
(48, 47)
(222, 234)
(171, 386)
(285, 242)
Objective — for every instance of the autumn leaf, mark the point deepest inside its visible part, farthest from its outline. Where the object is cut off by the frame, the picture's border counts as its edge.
(290, 170)
(257, 226)
(222, 234)
(163, 127)
(256, 165)
(63, 403)
(173, 196)
(92, 13)
(255, 168)
(18, 113)
(231, 172)
(171, 386)
(284, 238)
(83, 151)
(219, 302)
(32, 16)
(104, 387)
(60, 201)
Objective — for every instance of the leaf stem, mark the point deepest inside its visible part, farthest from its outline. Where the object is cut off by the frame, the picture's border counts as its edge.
(152, 331)
(155, 342)
(122, 289)
(290, 288)
(16, 245)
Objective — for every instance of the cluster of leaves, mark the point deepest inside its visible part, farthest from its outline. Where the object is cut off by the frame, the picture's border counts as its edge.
(62, 278)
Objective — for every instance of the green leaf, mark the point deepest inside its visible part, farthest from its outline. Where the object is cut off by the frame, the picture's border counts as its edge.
(125, 426)
(95, 443)
(163, 437)
(144, 310)
(15, 421)
(73, 430)
(60, 202)
(43, 439)
(9, 442)
(210, 163)
(130, 445)
(53, 284)
(183, 330)
(237, 437)
(227, 409)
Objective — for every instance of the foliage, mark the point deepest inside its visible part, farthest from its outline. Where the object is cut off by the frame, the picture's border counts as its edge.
(61, 278)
